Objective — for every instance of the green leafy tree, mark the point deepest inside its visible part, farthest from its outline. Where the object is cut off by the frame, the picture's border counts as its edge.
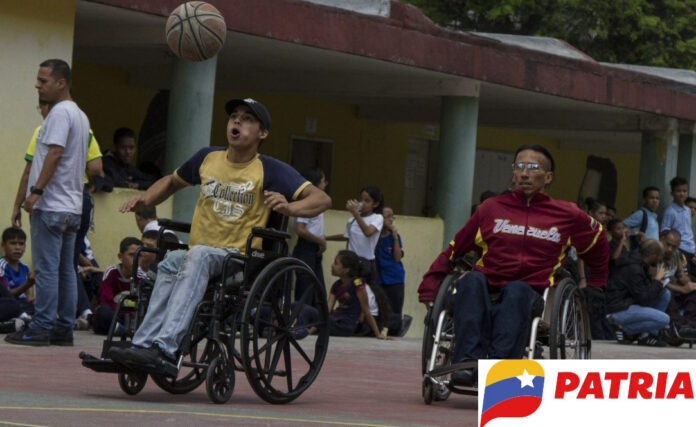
(646, 32)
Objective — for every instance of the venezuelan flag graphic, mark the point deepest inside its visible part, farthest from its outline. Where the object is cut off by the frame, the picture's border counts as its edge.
(513, 389)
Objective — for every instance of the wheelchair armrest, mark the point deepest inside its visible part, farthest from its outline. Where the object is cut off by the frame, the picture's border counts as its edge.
(169, 224)
(269, 233)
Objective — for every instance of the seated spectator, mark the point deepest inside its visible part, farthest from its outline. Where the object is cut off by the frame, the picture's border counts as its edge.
(118, 165)
(682, 309)
(89, 271)
(644, 220)
(146, 220)
(636, 302)
(147, 263)
(349, 296)
(611, 213)
(115, 284)
(15, 280)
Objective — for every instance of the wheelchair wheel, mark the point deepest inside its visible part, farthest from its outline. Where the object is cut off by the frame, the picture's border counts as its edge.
(193, 367)
(439, 328)
(569, 336)
(219, 382)
(132, 382)
(280, 361)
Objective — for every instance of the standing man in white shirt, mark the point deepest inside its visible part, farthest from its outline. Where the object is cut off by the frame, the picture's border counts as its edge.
(54, 203)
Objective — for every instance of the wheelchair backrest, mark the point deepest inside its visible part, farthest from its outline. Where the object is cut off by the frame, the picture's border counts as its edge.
(274, 245)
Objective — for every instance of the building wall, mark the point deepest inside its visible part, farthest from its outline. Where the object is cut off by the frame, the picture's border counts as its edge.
(31, 32)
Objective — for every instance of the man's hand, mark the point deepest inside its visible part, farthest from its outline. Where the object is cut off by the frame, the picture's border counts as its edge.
(660, 272)
(133, 204)
(16, 219)
(384, 337)
(276, 202)
(29, 203)
(322, 246)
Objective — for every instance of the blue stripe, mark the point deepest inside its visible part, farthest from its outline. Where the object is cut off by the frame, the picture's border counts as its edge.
(509, 388)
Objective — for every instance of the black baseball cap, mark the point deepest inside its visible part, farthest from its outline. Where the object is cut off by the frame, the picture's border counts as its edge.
(257, 108)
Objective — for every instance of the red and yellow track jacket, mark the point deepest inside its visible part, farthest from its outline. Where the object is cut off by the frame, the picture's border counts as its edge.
(517, 240)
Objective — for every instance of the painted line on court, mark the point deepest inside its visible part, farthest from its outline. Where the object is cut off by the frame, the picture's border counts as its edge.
(202, 414)
(9, 423)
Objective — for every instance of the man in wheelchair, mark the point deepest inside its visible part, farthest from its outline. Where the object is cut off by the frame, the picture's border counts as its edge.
(521, 237)
(238, 190)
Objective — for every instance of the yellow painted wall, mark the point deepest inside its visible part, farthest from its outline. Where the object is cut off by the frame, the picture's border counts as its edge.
(31, 32)
(108, 99)
(111, 226)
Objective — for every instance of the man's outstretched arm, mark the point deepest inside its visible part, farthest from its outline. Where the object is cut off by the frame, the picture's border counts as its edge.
(156, 194)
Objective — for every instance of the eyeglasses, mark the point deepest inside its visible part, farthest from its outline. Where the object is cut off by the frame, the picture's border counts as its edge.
(531, 167)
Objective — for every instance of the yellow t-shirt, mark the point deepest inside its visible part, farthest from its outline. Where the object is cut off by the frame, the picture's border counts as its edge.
(93, 151)
(231, 198)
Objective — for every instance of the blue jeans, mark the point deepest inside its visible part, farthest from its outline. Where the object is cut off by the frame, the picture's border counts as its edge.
(637, 319)
(52, 250)
(487, 330)
(182, 278)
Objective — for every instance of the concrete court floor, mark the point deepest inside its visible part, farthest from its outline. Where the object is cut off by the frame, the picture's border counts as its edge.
(364, 382)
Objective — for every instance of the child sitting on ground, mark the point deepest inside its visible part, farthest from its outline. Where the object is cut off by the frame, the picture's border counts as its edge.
(15, 280)
(115, 282)
(350, 295)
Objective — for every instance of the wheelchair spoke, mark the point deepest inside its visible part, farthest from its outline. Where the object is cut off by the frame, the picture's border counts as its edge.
(269, 342)
(270, 370)
(288, 364)
(302, 352)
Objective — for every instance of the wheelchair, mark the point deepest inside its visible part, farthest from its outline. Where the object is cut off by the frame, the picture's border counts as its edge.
(568, 336)
(251, 301)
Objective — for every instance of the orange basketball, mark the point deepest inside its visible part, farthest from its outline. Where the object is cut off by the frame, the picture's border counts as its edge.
(196, 31)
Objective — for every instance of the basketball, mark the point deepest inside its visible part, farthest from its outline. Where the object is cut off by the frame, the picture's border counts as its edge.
(196, 31)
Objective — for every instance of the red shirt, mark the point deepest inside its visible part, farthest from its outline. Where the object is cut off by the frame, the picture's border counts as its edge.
(112, 284)
(523, 241)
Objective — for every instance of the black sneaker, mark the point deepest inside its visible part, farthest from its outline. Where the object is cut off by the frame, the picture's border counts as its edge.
(61, 338)
(465, 377)
(651, 341)
(29, 336)
(621, 336)
(7, 326)
(151, 360)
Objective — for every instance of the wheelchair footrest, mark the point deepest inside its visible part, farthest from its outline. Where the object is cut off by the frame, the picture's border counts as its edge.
(99, 365)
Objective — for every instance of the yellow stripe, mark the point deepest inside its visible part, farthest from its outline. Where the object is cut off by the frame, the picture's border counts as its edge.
(299, 190)
(558, 264)
(483, 245)
(601, 229)
(180, 179)
(513, 368)
(202, 414)
(451, 258)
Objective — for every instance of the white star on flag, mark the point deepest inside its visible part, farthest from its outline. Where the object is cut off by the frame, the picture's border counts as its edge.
(526, 379)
